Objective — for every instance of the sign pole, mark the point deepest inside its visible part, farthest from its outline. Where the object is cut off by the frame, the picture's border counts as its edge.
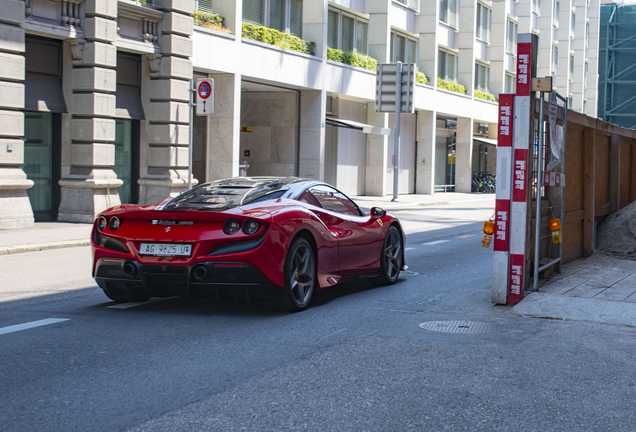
(191, 126)
(396, 145)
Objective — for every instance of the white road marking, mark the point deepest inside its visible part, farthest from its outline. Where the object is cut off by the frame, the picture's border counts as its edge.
(135, 304)
(32, 324)
(436, 242)
(408, 249)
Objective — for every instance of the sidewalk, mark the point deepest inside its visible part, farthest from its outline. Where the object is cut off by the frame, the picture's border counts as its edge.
(44, 236)
(410, 201)
(599, 289)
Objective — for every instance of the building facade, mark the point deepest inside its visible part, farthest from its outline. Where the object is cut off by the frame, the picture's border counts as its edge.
(94, 108)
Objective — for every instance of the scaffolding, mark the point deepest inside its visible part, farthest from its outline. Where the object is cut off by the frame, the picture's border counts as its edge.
(617, 65)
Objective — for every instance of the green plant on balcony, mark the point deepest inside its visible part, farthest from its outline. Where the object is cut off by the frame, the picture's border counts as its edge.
(421, 78)
(352, 59)
(485, 96)
(277, 38)
(451, 85)
(210, 21)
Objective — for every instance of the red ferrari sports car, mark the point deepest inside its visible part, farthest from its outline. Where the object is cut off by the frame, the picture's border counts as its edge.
(271, 238)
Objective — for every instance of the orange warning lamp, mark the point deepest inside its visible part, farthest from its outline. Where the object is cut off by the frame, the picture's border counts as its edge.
(555, 224)
(489, 227)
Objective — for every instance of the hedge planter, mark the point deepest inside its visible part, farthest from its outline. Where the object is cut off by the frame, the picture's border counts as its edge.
(210, 21)
(485, 96)
(274, 37)
(349, 58)
(451, 85)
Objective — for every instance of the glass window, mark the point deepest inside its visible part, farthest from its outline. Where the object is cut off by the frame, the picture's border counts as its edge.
(571, 65)
(403, 48)
(587, 34)
(482, 77)
(308, 198)
(296, 18)
(483, 22)
(555, 59)
(585, 75)
(333, 200)
(510, 83)
(204, 5)
(557, 11)
(448, 12)
(347, 33)
(447, 66)
(277, 15)
(573, 25)
(536, 7)
(332, 29)
(511, 37)
(253, 11)
(363, 30)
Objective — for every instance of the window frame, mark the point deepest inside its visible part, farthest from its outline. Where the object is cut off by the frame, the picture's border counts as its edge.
(447, 53)
(354, 37)
(447, 10)
(480, 69)
(287, 12)
(407, 38)
(513, 79)
(515, 24)
(331, 189)
(480, 16)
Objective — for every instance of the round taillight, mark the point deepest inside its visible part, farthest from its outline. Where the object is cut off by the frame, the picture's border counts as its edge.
(251, 226)
(102, 223)
(114, 223)
(231, 226)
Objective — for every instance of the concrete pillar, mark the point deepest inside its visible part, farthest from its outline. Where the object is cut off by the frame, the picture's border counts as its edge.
(464, 152)
(578, 46)
(315, 25)
(425, 152)
(88, 183)
(164, 156)
(426, 24)
(377, 145)
(15, 211)
(223, 128)
(377, 154)
(313, 105)
(497, 49)
(466, 45)
(591, 91)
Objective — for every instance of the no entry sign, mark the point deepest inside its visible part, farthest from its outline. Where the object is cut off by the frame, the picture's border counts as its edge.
(205, 97)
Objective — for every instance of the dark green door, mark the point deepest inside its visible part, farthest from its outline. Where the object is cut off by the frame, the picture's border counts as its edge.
(127, 159)
(41, 162)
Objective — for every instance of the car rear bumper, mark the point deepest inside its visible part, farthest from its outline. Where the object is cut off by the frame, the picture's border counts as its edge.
(206, 279)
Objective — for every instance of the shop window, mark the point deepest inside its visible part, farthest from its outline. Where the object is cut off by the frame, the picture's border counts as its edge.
(347, 32)
(484, 17)
(282, 15)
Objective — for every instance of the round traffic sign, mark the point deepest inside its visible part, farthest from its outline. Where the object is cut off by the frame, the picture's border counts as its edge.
(204, 90)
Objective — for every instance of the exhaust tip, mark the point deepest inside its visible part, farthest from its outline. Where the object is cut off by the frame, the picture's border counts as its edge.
(129, 269)
(200, 272)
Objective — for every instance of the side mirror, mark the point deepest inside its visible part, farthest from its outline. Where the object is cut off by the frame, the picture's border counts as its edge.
(377, 212)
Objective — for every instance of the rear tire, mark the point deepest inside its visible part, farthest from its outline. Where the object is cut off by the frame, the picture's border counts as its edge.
(300, 279)
(391, 258)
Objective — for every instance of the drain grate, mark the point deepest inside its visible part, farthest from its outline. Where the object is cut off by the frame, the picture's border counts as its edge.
(463, 327)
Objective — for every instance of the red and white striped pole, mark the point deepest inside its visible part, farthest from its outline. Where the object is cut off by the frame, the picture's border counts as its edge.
(502, 204)
(520, 168)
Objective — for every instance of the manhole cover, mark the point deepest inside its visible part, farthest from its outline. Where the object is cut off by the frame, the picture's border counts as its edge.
(463, 327)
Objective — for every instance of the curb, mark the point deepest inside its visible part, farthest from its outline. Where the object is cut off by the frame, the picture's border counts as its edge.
(35, 247)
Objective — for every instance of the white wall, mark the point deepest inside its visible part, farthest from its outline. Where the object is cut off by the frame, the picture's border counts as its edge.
(352, 149)
(407, 154)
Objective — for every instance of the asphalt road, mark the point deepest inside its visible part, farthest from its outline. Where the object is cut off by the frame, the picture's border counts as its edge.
(356, 360)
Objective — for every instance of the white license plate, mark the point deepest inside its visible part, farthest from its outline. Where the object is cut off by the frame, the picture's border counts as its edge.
(165, 249)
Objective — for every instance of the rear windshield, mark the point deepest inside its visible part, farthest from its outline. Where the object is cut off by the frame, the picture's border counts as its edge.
(222, 195)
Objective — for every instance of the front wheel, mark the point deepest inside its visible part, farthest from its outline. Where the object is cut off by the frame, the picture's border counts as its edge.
(391, 259)
(300, 278)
